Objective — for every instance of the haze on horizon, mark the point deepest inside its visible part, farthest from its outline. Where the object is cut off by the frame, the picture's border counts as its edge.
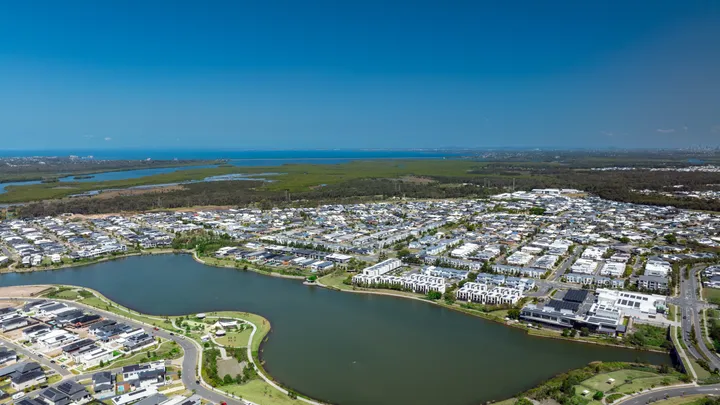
(359, 74)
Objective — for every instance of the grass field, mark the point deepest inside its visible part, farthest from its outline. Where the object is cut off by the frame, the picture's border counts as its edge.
(259, 392)
(335, 280)
(163, 352)
(626, 381)
(235, 339)
(262, 324)
(712, 295)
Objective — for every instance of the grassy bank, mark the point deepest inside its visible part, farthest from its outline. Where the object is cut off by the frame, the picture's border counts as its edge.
(648, 338)
(256, 390)
(598, 381)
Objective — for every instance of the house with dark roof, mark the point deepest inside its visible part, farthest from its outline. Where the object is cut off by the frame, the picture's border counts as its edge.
(52, 396)
(103, 383)
(27, 375)
(75, 391)
(155, 399)
(7, 357)
(28, 401)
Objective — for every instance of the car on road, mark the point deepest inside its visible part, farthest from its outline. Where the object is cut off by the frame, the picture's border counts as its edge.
(156, 328)
(172, 334)
(18, 395)
(197, 381)
(63, 366)
(52, 361)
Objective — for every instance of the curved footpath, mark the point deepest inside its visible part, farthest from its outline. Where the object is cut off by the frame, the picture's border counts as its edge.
(191, 360)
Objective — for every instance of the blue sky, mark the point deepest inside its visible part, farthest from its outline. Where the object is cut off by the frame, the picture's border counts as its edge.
(358, 74)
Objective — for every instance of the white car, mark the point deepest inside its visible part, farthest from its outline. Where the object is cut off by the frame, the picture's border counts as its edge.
(18, 395)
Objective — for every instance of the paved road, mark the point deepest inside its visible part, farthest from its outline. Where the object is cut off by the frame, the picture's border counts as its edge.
(190, 360)
(34, 356)
(660, 394)
(566, 264)
(690, 305)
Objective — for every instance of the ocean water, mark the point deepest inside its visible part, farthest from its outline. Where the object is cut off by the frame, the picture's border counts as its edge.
(277, 156)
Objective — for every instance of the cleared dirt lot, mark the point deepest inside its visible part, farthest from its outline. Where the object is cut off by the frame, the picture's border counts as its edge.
(22, 291)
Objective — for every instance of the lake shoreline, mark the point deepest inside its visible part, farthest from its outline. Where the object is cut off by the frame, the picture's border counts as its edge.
(476, 314)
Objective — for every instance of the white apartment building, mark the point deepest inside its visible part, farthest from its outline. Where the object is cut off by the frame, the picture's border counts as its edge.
(657, 268)
(584, 266)
(382, 267)
(612, 269)
(94, 357)
(482, 293)
(631, 301)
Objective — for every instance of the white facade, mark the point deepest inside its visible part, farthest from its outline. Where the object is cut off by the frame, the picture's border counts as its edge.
(484, 294)
(584, 266)
(382, 267)
(612, 269)
(631, 301)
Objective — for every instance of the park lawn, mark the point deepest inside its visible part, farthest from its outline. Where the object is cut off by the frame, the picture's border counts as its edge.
(260, 392)
(67, 295)
(262, 324)
(163, 352)
(712, 295)
(335, 280)
(235, 338)
(501, 313)
(94, 302)
(639, 380)
(116, 309)
(647, 383)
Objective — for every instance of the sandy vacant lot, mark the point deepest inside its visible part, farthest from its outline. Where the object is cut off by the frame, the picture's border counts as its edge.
(22, 291)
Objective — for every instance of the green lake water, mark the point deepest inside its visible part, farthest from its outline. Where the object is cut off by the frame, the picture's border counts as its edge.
(346, 348)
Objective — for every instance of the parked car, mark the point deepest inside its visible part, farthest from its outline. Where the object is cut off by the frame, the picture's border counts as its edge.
(18, 395)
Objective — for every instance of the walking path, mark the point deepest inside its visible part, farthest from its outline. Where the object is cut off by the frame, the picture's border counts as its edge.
(193, 351)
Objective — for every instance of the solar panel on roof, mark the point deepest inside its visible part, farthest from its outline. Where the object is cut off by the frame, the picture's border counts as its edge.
(578, 296)
(559, 305)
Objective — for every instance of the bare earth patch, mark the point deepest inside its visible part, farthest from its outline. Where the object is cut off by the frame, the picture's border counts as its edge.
(22, 291)
(229, 366)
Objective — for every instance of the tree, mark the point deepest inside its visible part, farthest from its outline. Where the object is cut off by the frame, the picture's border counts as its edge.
(598, 395)
(523, 401)
(513, 313)
(671, 238)
(227, 380)
(434, 295)
(584, 331)
(404, 252)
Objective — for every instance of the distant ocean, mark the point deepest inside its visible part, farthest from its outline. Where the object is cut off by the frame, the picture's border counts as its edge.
(295, 156)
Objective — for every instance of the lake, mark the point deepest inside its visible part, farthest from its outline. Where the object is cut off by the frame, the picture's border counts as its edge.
(346, 348)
